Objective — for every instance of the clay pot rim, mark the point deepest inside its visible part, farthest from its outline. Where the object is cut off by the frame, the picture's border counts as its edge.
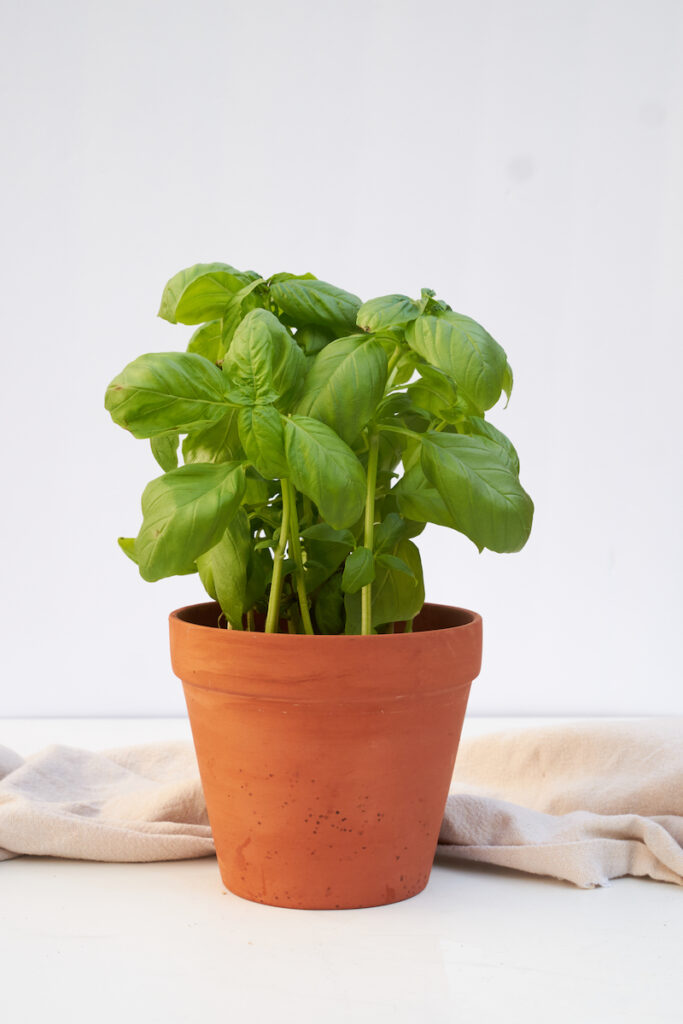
(469, 619)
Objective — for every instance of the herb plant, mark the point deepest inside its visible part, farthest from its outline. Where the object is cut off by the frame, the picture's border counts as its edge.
(297, 404)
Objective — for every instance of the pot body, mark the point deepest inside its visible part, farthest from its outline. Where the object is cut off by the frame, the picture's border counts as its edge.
(326, 760)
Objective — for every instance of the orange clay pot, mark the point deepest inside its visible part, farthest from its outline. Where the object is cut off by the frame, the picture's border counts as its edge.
(326, 760)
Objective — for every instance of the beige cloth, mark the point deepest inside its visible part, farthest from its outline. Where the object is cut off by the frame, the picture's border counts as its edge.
(584, 803)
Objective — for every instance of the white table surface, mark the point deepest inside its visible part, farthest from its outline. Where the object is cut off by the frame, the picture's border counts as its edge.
(90, 942)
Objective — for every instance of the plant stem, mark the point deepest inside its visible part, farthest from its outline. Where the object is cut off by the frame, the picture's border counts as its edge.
(391, 367)
(295, 547)
(250, 621)
(366, 593)
(273, 617)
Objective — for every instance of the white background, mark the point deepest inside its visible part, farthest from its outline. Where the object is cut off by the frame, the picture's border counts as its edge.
(525, 159)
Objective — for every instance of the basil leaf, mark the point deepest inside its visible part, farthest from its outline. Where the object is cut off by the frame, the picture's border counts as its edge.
(508, 381)
(394, 562)
(165, 450)
(201, 292)
(316, 302)
(359, 570)
(325, 549)
(235, 311)
(185, 512)
(345, 384)
(218, 442)
(223, 568)
(263, 440)
(482, 428)
(127, 545)
(313, 339)
(264, 361)
(465, 351)
(166, 391)
(396, 596)
(325, 469)
(207, 341)
(328, 608)
(419, 501)
(479, 485)
(387, 311)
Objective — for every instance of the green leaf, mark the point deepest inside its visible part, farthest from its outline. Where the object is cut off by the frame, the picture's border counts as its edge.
(313, 339)
(218, 442)
(479, 485)
(127, 545)
(329, 607)
(185, 512)
(223, 568)
(482, 428)
(207, 341)
(419, 501)
(359, 570)
(345, 384)
(325, 550)
(508, 381)
(262, 437)
(167, 391)
(387, 311)
(201, 292)
(394, 562)
(264, 360)
(259, 572)
(393, 529)
(465, 351)
(256, 490)
(237, 308)
(325, 469)
(396, 596)
(316, 303)
(165, 450)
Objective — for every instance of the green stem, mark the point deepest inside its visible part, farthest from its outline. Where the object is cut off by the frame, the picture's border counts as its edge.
(273, 617)
(295, 547)
(366, 593)
(391, 367)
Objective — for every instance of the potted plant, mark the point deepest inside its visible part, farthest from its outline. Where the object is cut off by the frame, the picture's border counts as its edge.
(326, 699)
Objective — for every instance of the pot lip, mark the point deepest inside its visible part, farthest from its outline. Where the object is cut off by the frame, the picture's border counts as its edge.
(472, 618)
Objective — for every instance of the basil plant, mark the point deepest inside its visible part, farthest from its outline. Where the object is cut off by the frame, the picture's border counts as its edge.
(318, 435)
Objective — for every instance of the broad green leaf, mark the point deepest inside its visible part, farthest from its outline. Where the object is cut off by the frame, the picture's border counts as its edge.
(345, 384)
(394, 562)
(313, 339)
(263, 440)
(465, 351)
(359, 570)
(218, 442)
(393, 529)
(201, 292)
(325, 550)
(167, 391)
(185, 512)
(264, 360)
(256, 490)
(479, 485)
(417, 500)
(387, 311)
(223, 568)
(207, 341)
(482, 428)
(396, 596)
(235, 311)
(165, 450)
(127, 545)
(328, 608)
(508, 381)
(325, 469)
(259, 572)
(316, 302)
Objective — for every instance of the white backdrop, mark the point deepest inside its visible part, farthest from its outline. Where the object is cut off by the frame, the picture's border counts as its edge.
(522, 157)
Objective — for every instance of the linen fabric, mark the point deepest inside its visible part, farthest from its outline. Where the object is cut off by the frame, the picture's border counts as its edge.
(583, 802)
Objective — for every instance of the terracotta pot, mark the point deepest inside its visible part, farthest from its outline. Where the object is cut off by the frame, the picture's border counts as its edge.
(326, 760)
